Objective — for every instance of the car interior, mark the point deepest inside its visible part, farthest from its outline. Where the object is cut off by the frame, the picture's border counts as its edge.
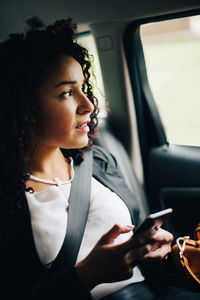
(147, 68)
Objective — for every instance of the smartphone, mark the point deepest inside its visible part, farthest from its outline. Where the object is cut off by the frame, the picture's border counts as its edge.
(153, 222)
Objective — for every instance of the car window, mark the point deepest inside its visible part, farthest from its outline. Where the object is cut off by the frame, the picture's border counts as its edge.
(172, 57)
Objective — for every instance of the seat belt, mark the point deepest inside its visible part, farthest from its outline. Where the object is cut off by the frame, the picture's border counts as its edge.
(79, 202)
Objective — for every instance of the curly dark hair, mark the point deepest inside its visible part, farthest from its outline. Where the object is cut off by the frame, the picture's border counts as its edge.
(23, 61)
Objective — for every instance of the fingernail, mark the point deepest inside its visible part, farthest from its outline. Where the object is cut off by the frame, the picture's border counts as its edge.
(130, 226)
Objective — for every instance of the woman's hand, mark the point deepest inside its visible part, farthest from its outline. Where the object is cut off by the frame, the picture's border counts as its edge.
(108, 262)
(105, 263)
(157, 247)
(161, 242)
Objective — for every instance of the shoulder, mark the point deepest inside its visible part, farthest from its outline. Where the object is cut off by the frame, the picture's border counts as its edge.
(101, 155)
(105, 163)
(106, 171)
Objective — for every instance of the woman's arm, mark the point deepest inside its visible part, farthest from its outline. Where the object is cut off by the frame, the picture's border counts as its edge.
(107, 262)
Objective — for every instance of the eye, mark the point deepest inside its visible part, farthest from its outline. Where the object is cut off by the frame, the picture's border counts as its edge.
(66, 93)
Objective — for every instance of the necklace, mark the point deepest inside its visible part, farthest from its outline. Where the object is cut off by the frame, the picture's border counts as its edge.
(56, 180)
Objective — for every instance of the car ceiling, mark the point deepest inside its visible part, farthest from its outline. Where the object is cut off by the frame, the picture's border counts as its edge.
(12, 13)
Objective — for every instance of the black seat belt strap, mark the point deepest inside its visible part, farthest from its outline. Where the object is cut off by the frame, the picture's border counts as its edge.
(79, 202)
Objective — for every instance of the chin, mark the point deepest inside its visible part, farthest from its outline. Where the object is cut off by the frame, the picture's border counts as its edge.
(83, 142)
(80, 144)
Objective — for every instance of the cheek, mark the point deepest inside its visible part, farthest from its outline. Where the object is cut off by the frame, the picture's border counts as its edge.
(59, 120)
(63, 121)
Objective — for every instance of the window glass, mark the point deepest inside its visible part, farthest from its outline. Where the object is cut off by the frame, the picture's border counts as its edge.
(172, 55)
(87, 41)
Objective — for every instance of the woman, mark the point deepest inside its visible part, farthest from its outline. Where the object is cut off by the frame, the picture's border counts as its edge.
(48, 122)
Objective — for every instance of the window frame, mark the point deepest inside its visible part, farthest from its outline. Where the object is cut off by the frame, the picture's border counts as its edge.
(150, 128)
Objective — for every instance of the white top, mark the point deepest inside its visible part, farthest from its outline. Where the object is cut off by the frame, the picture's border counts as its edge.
(49, 212)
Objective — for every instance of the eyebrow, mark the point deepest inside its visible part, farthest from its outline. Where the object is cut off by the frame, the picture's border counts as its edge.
(65, 82)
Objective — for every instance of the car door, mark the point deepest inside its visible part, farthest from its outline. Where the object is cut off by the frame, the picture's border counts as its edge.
(167, 108)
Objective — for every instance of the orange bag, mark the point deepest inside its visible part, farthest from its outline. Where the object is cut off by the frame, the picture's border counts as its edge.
(186, 254)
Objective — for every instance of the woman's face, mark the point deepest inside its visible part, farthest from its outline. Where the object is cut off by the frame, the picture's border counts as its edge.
(64, 108)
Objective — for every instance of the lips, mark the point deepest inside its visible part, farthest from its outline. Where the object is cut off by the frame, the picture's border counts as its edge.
(83, 127)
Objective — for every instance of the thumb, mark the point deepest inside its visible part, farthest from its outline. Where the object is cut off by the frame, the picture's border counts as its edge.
(114, 232)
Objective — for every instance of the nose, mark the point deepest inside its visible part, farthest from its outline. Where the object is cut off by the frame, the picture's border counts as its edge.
(85, 106)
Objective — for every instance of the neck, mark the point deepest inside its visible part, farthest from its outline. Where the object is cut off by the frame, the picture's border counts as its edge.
(49, 161)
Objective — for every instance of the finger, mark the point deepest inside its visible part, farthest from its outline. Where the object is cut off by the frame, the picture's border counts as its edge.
(138, 244)
(162, 236)
(142, 238)
(144, 243)
(160, 253)
(114, 232)
(128, 258)
(134, 256)
(156, 245)
(157, 240)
